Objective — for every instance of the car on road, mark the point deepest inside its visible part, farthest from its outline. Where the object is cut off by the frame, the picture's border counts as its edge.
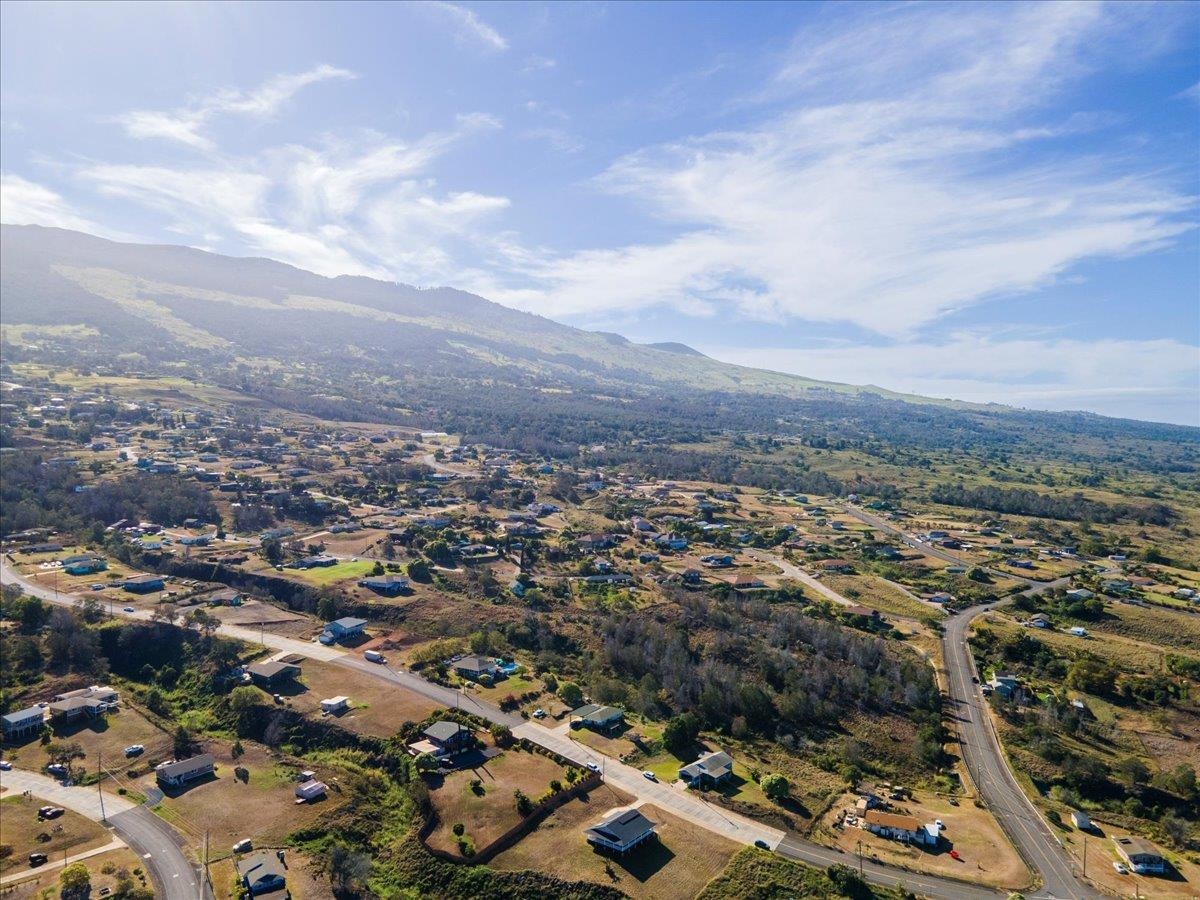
(127, 609)
(1120, 869)
(37, 859)
(539, 713)
(5, 765)
(135, 750)
(243, 846)
(50, 812)
(762, 845)
(57, 769)
(649, 776)
(592, 767)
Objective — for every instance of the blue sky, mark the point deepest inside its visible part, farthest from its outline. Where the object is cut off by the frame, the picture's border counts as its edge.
(991, 202)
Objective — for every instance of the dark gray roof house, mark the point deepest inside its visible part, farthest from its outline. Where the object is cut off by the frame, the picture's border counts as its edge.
(620, 831)
(597, 717)
(176, 773)
(263, 874)
(711, 768)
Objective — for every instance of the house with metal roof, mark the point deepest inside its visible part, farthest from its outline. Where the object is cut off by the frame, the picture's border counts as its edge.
(597, 717)
(175, 774)
(710, 769)
(620, 831)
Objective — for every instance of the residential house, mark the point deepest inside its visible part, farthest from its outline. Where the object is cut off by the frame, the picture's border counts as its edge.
(709, 770)
(590, 543)
(176, 774)
(143, 584)
(84, 564)
(23, 723)
(897, 827)
(388, 585)
(691, 576)
(1080, 594)
(859, 610)
(271, 673)
(836, 565)
(1140, 855)
(263, 874)
(620, 831)
(1039, 620)
(475, 667)
(343, 629)
(600, 718)
(747, 583)
(443, 739)
(1004, 684)
(1081, 820)
(319, 561)
(609, 578)
(717, 561)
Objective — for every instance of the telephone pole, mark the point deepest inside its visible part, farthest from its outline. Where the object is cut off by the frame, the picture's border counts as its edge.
(204, 875)
(1085, 856)
(99, 787)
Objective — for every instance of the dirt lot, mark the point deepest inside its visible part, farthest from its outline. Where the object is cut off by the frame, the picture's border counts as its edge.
(488, 816)
(1101, 854)
(986, 855)
(70, 833)
(376, 707)
(103, 740)
(677, 865)
(262, 808)
(256, 612)
(103, 868)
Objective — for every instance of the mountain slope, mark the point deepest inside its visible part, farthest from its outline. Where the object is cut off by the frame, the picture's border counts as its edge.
(167, 299)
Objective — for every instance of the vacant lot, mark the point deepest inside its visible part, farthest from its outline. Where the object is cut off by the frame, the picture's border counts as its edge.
(103, 867)
(490, 810)
(678, 865)
(70, 833)
(377, 707)
(1154, 625)
(343, 571)
(104, 741)
(986, 855)
(262, 807)
(876, 593)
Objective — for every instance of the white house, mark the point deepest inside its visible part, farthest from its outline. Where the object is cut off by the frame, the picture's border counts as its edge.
(1079, 632)
(1081, 820)
(335, 705)
(310, 790)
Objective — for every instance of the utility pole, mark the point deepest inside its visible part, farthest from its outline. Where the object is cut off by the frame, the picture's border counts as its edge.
(204, 877)
(860, 860)
(1085, 856)
(99, 788)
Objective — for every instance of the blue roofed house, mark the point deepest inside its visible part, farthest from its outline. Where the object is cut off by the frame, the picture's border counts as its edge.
(388, 585)
(84, 564)
(143, 584)
(23, 723)
(343, 629)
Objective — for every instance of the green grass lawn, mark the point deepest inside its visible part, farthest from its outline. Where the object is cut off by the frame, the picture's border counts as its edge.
(343, 571)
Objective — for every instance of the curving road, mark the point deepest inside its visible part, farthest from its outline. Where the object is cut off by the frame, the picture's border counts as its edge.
(980, 747)
(687, 806)
(175, 878)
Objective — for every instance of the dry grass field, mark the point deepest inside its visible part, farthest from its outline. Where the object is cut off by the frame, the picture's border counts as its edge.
(675, 867)
(68, 834)
(262, 808)
(986, 855)
(377, 707)
(103, 868)
(487, 815)
(876, 593)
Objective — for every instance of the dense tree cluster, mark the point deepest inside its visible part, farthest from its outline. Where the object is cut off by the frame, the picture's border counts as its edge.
(1074, 507)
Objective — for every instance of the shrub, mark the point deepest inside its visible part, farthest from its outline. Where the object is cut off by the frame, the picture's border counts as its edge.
(459, 828)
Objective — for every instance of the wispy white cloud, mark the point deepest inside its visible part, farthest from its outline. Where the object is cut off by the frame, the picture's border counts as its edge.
(536, 63)
(357, 204)
(185, 125)
(888, 194)
(23, 202)
(469, 24)
(1144, 379)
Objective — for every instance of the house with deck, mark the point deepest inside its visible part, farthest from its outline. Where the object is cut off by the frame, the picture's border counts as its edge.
(604, 719)
(23, 723)
(620, 831)
(1140, 855)
(708, 771)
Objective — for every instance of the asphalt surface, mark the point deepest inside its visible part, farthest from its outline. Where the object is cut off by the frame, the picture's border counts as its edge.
(981, 750)
(688, 806)
(175, 878)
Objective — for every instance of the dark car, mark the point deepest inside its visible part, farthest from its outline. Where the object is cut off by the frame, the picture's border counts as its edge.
(762, 845)
(37, 859)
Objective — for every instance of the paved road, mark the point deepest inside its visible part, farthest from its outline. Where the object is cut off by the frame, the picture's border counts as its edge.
(982, 754)
(686, 806)
(145, 833)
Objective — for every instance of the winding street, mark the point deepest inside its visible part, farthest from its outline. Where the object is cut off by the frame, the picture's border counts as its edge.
(980, 747)
(685, 805)
(175, 878)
